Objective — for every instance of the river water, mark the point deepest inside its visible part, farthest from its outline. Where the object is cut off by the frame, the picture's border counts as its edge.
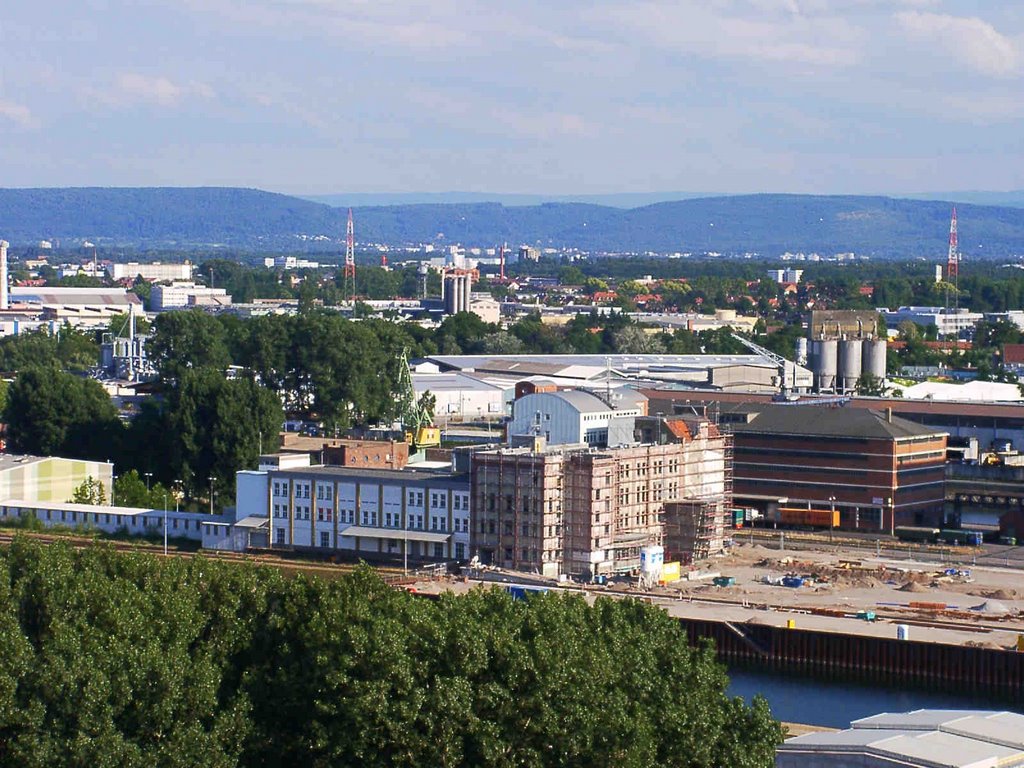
(834, 704)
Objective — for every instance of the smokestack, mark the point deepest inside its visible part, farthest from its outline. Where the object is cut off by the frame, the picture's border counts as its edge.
(5, 301)
(888, 415)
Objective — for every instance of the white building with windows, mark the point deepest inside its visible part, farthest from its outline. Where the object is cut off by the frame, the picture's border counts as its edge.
(951, 322)
(382, 513)
(154, 271)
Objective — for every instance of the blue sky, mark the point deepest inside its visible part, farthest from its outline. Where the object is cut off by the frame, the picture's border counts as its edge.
(558, 97)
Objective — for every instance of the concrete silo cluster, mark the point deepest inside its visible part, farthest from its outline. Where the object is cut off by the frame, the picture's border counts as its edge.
(845, 345)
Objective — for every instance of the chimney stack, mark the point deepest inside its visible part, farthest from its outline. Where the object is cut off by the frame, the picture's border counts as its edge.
(5, 301)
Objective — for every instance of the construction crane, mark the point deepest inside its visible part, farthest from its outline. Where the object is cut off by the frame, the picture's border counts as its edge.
(417, 421)
(781, 363)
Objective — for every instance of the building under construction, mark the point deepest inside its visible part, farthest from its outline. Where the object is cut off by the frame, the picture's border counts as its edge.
(584, 511)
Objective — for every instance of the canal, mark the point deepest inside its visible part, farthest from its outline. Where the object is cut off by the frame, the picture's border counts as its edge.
(834, 704)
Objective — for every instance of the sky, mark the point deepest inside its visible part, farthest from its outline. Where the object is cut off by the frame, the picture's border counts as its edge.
(529, 96)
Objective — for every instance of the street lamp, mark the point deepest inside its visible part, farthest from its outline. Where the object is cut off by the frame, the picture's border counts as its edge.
(165, 524)
(892, 516)
(831, 517)
(148, 476)
(211, 493)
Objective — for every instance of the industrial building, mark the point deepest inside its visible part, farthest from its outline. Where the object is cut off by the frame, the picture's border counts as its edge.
(134, 521)
(52, 307)
(420, 512)
(152, 272)
(844, 347)
(752, 372)
(456, 288)
(50, 478)
(925, 738)
(589, 512)
(876, 469)
(571, 417)
(949, 322)
(185, 295)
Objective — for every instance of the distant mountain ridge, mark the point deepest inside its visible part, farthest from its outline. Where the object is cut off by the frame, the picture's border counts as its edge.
(251, 219)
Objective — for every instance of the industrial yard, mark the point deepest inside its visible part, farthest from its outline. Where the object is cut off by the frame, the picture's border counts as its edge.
(840, 590)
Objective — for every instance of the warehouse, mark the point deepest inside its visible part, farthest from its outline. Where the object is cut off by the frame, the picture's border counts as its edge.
(50, 478)
(925, 738)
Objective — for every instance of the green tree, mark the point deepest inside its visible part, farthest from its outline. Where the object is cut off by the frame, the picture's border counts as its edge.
(90, 491)
(51, 413)
(187, 340)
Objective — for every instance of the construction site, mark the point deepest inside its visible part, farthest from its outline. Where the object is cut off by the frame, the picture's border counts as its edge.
(589, 513)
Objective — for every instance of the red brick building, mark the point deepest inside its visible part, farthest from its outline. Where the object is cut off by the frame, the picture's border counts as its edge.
(877, 470)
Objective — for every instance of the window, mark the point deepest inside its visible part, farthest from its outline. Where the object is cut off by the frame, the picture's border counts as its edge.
(320, 492)
(460, 551)
(280, 536)
(438, 550)
(174, 523)
(325, 539)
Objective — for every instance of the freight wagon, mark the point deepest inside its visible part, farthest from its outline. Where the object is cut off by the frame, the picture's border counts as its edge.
(912, 533)
(808, 518)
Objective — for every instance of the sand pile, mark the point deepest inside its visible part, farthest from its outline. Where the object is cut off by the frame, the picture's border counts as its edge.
(1003, 594)
(913, 586)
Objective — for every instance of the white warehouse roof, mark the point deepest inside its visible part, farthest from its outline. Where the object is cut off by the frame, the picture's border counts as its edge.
(919, 739)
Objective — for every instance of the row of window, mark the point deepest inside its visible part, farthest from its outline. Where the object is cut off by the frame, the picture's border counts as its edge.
(325, 492)
(394, 545)
(103, 518)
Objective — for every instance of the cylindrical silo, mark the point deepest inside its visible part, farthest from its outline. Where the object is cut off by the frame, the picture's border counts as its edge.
(849, 364)
(801, 350)
(825, 365)
(874, 358)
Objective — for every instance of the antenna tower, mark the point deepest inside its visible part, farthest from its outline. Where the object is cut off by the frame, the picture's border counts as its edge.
(502, 261)
(953, 260)
(348, 292)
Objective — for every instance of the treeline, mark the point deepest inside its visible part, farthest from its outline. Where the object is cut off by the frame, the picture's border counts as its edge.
(114, 659)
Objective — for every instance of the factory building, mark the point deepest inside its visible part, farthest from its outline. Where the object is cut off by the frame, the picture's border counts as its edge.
(420, 512)
(925, 738)
(134, 521)
(152, 272)
(572, 417)
(876, 469)
(720, 372)
(948, 322)
(49, 478)
(844, 348)
(456, 290)
(185, 295)
(588, 512)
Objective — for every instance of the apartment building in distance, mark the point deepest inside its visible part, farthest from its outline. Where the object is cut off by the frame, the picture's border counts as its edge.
(587, 511)
(420, 512)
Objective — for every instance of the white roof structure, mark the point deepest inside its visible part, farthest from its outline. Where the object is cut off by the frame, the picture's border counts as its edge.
(77, 297)
(920, 739)
(581, 368)
(972, 391)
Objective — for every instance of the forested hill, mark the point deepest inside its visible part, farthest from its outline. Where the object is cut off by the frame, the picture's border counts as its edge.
(256, 220)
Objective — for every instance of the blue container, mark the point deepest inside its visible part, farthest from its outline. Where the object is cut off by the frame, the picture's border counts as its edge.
(792, 581)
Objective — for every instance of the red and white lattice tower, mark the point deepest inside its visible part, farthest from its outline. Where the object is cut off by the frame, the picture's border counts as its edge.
(349, 289)
(953, 260)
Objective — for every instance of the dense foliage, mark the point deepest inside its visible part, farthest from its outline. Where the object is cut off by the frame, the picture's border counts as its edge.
(111, 659)
(258, 220)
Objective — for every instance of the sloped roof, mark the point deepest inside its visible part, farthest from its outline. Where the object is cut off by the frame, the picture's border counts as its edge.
(820, 421)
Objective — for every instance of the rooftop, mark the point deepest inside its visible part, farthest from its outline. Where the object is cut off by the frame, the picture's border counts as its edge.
(408, 474)
(919, 739)
(820, 421)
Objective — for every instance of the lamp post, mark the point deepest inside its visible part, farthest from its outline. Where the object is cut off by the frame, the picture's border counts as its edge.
(211, 493)
(113, 488)
(831, 517)
(165, 524)
(148, 476)
(892, 516)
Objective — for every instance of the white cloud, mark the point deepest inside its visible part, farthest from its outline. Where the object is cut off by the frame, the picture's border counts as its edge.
(973, 41)
(17, 113)
(133, 87)
(762, 30)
